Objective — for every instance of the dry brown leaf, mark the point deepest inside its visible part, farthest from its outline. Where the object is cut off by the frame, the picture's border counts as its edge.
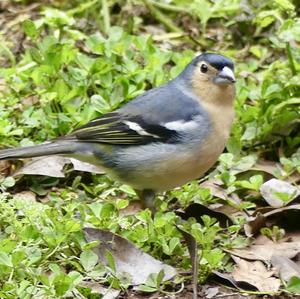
(262, 240)
(26, 196)
(226, 209)
(50, 166)
(254, 224)
(286, 267)
(275, 169)
(279, 210)
(4, 167)
(30, 100)
(215, 190)
(53, 166)
(227, 280)
(211, 292)
(83, 166)
(264, 252)
(128, 258)
(256, 274)
(133, 208)
(260, 217)
(197, 210)
(269, 167)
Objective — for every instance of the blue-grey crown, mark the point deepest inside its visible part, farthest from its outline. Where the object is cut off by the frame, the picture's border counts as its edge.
(215, 60)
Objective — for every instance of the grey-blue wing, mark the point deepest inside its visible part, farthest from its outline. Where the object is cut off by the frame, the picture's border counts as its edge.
(141, 121)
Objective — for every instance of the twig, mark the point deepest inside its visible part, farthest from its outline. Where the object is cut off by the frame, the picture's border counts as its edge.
(226, 295)
(159, 16)
(106, 16)
(290, 58)
(193, 251)
(168, 36)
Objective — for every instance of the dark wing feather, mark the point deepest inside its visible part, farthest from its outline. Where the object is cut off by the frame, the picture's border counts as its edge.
(143, 119)
(114, 128)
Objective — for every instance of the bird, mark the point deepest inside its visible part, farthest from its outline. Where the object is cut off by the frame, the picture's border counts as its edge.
(162, 139)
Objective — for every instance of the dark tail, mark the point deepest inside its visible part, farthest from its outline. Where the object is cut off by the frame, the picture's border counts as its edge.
(45, 149)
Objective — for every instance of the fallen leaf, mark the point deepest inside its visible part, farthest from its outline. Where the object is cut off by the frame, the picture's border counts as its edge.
(215, 189)
(211, 292)
(254, 224)
(260, 218)
(53, 166)
(214, 185)
(83, 166)
(226, 279)
(99, 289)
(286, 267)
(283, 209)
(197, 210)
(49, 166)
(264, 252)
(256, 274)
(278, 193)
(127, 257)
(4, 167)
(26, 196)
(133, 208)
(269, 167)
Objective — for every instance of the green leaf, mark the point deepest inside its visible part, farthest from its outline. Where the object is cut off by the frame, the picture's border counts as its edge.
(88, 260)
(110, 260)
(285, 4)
(62, 284)
(122, 204)
(5, 259)
(249, 133)
(234, 145)
(8, 182)
(146, 289)
(30, 29)
(294, 285)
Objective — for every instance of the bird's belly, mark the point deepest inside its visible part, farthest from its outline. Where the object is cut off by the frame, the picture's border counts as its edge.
(169, 170)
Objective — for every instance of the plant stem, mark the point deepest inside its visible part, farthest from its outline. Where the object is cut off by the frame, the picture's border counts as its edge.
(290, 58)
(81, 8)
(159, 16)
(169, 7)
(106, 16)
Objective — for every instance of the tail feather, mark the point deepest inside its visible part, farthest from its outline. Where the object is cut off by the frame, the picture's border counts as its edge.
(45, 149)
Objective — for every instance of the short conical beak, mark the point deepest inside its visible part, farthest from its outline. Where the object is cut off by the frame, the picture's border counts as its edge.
(225, 77)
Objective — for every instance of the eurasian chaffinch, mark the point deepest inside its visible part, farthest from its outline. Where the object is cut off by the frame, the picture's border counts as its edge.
(163, 138)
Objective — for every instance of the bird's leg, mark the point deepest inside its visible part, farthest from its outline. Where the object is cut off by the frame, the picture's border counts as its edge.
(147, 197)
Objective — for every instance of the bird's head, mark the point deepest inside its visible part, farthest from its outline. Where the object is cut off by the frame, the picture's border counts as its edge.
(213, 68)
(211, 76)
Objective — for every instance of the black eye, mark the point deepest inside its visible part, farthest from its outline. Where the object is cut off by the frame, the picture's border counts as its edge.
(204, 68)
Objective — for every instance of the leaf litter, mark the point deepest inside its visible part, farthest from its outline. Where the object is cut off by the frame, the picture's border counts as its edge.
(260, 265)
(53, 166)
(128, 259)
(257, 274)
